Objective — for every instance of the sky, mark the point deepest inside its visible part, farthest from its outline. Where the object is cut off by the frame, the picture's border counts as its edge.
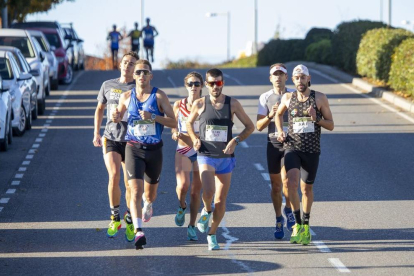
(186, 33)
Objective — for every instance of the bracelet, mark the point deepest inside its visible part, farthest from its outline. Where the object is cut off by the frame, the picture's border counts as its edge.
(269, 117)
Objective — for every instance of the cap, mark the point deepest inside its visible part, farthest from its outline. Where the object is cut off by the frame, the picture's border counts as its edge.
(300, 69)
(277, 68)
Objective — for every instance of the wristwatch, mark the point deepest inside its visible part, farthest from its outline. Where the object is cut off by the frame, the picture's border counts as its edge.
(237, 139)
(153, 116)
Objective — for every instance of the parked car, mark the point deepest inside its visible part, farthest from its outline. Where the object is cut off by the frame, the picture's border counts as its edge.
(78, 61)
(20, 86)
(51, 58)
(6, 136)
(56, 37)
(34, 55)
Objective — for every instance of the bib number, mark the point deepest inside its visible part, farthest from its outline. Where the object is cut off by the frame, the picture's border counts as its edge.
(303, 125)
(216, 133)
(144, 128)
(135, 41)
(196, 125)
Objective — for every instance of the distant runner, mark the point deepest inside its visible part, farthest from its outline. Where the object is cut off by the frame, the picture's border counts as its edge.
(114, 37)
(135, 35)
(149, 32)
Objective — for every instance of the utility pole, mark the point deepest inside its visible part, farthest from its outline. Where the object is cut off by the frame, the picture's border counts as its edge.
(255, 28)
(389, 13)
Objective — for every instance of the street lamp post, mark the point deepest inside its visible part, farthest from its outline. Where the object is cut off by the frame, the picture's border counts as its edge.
(142, 26)
(255, 28)
(227, 14)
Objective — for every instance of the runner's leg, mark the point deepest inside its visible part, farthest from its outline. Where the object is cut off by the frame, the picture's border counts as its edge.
(222, 189)
(182, 172)
(113, 163)
(195, 194)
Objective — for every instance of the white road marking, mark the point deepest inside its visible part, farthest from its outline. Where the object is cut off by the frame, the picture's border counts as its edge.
(259, 167)
(171, 81)
(46, 125)
(35, 146)
(311, 231)
(244, 144)
(339, 265)
(25, 163)
(48, 121)
(15, 183)
(32, 151)
(266, 176)
(236, 80)
(22, 169)
(10, 191)
(44, 130)
(38, 140)
(1, 209)
(56, 108)
(29, 156)
(42, 134)
(58, 105)
(19, 175)
(321, 246)
(4, 200)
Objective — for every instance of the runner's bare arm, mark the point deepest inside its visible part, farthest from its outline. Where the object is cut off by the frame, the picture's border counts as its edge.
(195, 112)
(119, 112)
(97, 139)
(165, 107)
(283, 106)
(174, 131)
(327, 120)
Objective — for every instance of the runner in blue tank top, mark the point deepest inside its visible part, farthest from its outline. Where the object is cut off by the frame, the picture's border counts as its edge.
(114, 37)
(148, 110)
(149, 32)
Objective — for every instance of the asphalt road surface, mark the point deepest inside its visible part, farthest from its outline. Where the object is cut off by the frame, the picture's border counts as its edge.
(54, 206)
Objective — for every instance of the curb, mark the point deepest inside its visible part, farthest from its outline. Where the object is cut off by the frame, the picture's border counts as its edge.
(375, 91)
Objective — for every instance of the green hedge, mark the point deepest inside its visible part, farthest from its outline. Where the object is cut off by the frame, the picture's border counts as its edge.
(345, 42)
(320, 52)
(281, 51)
(375, 51)
(317, 34)
(402, 69)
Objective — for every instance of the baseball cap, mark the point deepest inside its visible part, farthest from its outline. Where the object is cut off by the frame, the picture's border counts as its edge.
(300, 69)
(277, 68)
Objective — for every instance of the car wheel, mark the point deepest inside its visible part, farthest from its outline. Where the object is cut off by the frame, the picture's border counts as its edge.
(42, 106)
(55, 84)
(69, 76)
(35, 111)
(10, 134)
(4, 145)
(28, 125)
(21, 128)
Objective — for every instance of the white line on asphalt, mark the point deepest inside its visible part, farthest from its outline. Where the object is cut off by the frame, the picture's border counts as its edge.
(29, 156)
(244, 144)
(312, 233)
(44, 130)
(236, 80)
(42, 134)
(46, 125)
(19, 175)
(55, 108)
(266, 176)
(10, 191)
(35, 146)
(171, 81)
(339, 265)
(22, 169)
(321, 246)
(38, 140)
(50, 117)
(15, 183)
(405, 116)
(1, 209)
(25, 163)
(32, 151)
(259, 166)
(48, 121)
(4, 200)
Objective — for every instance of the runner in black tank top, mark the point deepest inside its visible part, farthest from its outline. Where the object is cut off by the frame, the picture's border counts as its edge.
(308, 111)
(215, 148)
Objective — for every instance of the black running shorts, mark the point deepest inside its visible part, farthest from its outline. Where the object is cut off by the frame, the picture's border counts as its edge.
(118, 147)
(143, 162)
(306, 162)
(275, 158)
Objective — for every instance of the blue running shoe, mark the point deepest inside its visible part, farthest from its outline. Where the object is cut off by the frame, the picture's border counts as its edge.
(290, 219)
(180, 216)
(202, 223)
(212, 242)
(191, 233)
(279, 234)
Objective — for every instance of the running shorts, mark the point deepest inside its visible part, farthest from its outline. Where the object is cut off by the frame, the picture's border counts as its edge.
(221, 165)
(306, 162)
(275, 158)
(118, 147)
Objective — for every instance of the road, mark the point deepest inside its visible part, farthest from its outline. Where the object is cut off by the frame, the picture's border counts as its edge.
(54, 207)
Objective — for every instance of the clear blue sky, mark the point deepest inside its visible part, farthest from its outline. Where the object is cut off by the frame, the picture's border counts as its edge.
(186, 33)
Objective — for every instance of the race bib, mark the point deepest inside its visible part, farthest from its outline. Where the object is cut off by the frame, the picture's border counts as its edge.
(135, 41)
(196, 125)
(144, 128)
(148, 36)
(303, 125)
(216, 133)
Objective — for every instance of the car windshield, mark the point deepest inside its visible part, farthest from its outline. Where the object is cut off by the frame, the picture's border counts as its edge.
(53, 40)
(42, 45)
(22, 43)
(5, 69)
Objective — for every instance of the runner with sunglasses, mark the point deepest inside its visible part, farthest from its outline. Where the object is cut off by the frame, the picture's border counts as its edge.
(186, 156)
(268, 104)
(215, 145)
(148, 110)
(113, 142)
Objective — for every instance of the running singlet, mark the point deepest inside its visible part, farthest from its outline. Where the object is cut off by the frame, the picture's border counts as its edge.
(135, 35)
(144, 131)
(183, 114)
(215, 129)
(148, 35)
(114, 37)
(304, 134)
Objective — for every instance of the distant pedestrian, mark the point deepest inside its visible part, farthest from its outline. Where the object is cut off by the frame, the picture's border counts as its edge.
(114, 37)
(135, 35)
(149, 33)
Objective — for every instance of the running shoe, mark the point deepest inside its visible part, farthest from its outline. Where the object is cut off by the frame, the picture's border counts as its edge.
(140, 240)
(191, 233)
(180, 216)
(129, 229)
(296, 233)
(146, 210)
(127, 218)
(305, 235)
(114, 226)
(279, 233)
(202, 223)
(212, 242)
(290, 219)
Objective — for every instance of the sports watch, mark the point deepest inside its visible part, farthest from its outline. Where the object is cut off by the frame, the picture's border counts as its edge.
(237, 139)
(153, 116)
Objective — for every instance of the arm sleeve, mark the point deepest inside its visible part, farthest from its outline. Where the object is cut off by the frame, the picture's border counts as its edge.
(101, 95)
(262, 108)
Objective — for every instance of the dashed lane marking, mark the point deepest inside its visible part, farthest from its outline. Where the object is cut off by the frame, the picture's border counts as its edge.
(339, 265)
(19, 175)
(15, 183)
(4, 200)
(259, 166)
(10, 191)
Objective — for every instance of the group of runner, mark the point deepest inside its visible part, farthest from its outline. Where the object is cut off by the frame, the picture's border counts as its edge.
(147, 34)
(202, 126)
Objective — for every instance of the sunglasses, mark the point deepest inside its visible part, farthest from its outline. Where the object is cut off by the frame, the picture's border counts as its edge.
(138, 72)
(196, 84)
(217, 83)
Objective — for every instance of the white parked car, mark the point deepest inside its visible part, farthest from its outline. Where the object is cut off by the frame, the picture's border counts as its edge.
(34, 55)
(22, 87)
(6, 136)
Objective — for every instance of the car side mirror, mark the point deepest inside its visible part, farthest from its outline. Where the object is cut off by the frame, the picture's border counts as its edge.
(35, 72)
(52, 48)
(80, 40)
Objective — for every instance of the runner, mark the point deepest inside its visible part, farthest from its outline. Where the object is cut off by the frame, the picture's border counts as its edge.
(186, 156)
(113, 142)
(135, 36)
(146, 107)
(308, 111)
(114, 37)
(215, 146)
(149, 33)
(268, 104)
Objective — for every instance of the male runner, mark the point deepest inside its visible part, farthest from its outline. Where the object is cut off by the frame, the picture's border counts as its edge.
(114, 37)
(308, 111)
(146, 107)
(135, 36)
(215, 147)
(268, 104)
(149, 33)
(113, 142)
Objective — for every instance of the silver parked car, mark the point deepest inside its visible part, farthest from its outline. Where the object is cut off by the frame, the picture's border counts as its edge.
(34, 55)
(21, 86)
(6, 136)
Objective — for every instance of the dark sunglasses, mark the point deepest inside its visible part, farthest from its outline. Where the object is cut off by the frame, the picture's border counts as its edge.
(196, 84)
(217, 83)
(138, 72)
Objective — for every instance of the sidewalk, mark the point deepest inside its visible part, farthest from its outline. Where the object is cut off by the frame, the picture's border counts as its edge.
(374, 91)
